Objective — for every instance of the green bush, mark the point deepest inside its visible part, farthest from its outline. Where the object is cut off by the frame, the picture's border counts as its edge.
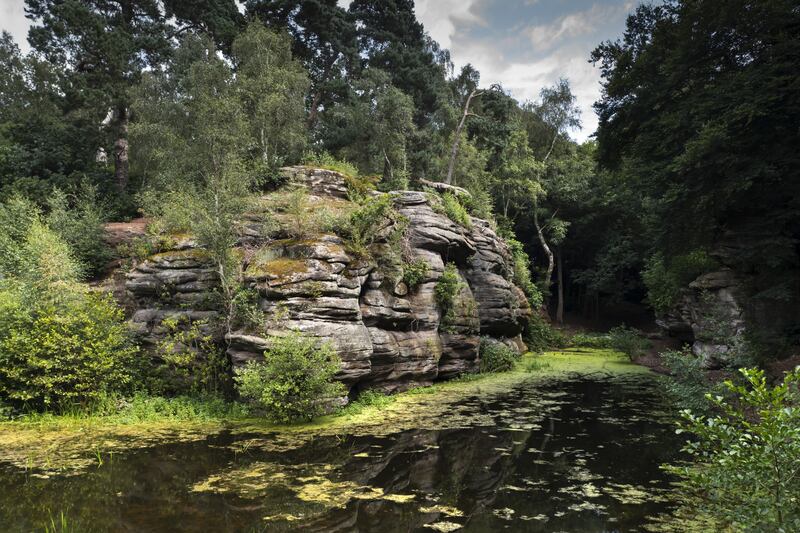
(591, 340)
(665, 280)
(415, 272)
(522, 273)
(294, 381)
(447, 288)
(539, 335)
(628, 341)
(70, 350)
(496, 356)
(59, 343)
(450, 206)
(79, 221)
(746, 472)
(326, 161)
(687, 384)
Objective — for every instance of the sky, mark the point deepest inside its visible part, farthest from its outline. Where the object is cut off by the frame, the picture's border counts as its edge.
(523, 45)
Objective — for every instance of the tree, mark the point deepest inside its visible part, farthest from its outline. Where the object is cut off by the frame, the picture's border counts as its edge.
(323, 38)
(699, 113)
(106, 47)
(392, 39)
(272, 86)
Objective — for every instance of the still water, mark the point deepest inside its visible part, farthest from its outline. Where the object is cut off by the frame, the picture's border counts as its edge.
(577, 454)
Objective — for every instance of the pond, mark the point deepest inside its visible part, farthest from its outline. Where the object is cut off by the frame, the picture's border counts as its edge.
(568, 453)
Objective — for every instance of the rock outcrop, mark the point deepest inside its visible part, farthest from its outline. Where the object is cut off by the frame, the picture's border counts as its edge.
(388, 335)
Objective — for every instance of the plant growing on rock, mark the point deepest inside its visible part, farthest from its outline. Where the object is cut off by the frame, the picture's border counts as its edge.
(450, 206)
(295, 381)
(447, 288)
(414, 273)
(496, 356)
(747, 469)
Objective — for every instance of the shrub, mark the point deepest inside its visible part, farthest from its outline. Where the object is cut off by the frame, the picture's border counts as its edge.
(496, 356)
(628, 341)
(447, 288)
(79, 221)
(450, 206)
(415, 272)
(70, 350)
(194, 362)
(591, 340)
(747, 469)
(294, 381)
(522, 273)
(687, 384)
(539, 335)
(328, 162)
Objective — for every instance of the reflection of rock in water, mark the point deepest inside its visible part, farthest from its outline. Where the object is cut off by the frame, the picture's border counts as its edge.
(457, 465)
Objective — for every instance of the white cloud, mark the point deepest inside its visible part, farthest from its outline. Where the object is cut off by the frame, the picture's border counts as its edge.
(442, 17)
(12, 20)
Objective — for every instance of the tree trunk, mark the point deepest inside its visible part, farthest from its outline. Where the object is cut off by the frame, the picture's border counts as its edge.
(313, 110)
(454, 150)
(547, 251)
(121, 166)
(560, 281)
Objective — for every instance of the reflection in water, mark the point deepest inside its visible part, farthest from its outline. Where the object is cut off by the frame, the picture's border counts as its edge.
(565, 455)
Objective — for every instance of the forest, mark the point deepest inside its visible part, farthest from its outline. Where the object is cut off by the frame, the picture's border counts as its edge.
(170, 169)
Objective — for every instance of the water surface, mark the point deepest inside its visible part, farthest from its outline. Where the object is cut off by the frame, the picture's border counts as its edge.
(577, 453)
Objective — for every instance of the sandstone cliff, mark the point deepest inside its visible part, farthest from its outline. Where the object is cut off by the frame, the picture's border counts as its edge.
(388, 335)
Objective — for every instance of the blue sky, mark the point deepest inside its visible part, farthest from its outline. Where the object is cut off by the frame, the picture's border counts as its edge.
(522, 44)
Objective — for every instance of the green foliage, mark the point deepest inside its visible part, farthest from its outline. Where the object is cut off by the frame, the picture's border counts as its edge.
(496, 356)
(665, 282)
(369, 222)
(539, 335)
(629, 341)
(534, 365)
(688, 383)
(70, 348)
(591, 340)
(450, 206)
(522, 273)
(365, 399)
(325, 160)
(79, 221)
(448, 286)
(747, 469)
(193, 361)
(295, 380)
(415, 272)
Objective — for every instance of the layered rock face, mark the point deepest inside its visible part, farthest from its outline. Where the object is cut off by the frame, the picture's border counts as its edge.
(388, 335)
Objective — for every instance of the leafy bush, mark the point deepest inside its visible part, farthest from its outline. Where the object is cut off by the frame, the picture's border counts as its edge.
(539, 335)
(591, 340)
(628, 341)
(295, 379)
(368, 398)
(747, 469)
(496, 356)
(522, 273)
(447, 288)
(687, 384)
(193, 361)
(70, 350)
(415, 272)
(326, 161)
(59, 343)
(79, 221)
(450, 206)
(665, 280)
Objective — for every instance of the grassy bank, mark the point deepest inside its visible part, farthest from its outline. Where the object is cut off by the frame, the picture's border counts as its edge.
(72, 442)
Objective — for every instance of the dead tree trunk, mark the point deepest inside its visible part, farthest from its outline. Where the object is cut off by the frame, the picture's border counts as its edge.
(454, 150)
